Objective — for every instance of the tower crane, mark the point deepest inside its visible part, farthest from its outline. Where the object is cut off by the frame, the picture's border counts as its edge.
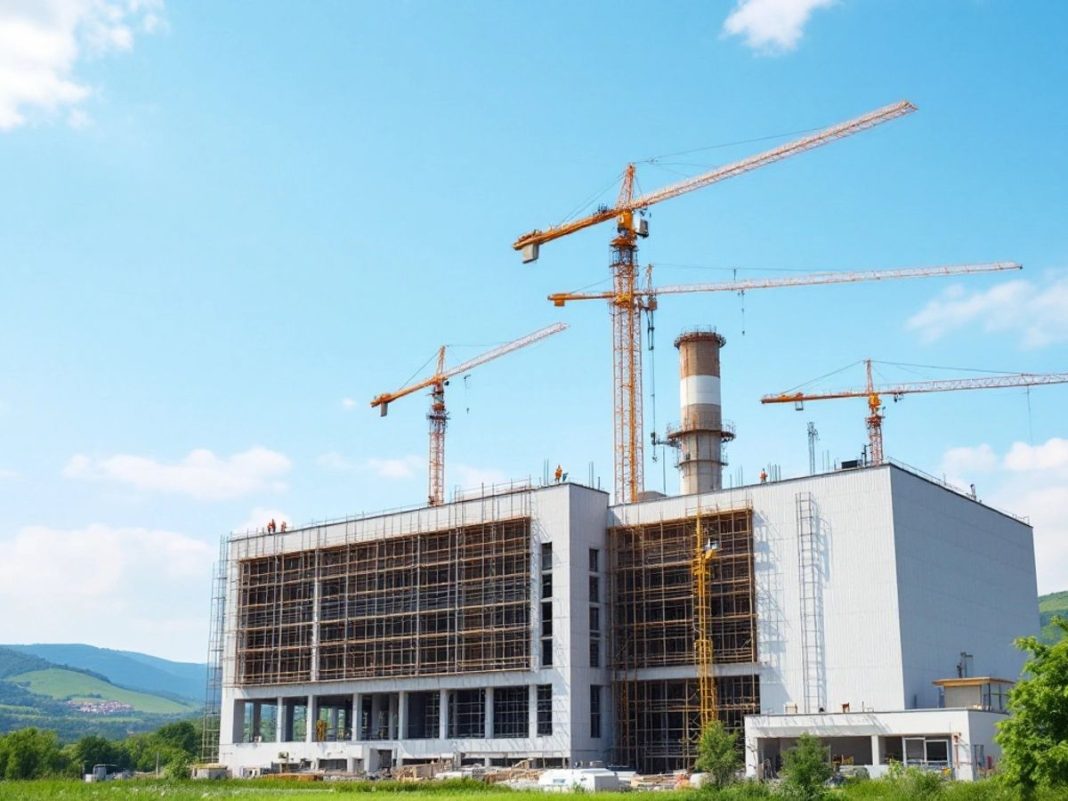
(873, 393)
(628, 420)
(437, 416)
(625, 301)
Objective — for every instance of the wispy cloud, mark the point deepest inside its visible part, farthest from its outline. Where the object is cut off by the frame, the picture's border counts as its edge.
(402, 467)
(5, 473)
(62, 585)
(201, 474)
(348, 404)
(332, 460)
(771, 26)
(43, 41)
(1035, 313)
(1030, 480)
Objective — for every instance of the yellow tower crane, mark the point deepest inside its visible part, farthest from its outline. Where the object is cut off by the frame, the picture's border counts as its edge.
(437, 416)
(626, 301)
(705, 551)
(873, 394)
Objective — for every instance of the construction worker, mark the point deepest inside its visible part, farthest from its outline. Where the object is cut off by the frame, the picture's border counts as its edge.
(271, 527)
(559, 473)
(283, 527)
(763, 476)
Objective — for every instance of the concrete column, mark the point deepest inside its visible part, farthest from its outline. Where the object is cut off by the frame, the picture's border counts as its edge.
(376, 715)
(309, 720)
(257, 719)
(402, 715)
(443, 714)
(357, 714)
(280, 720)
(532, 711)
(876, 751)
(237, 733)
(334, 721)
(489, 714)
(393, 719)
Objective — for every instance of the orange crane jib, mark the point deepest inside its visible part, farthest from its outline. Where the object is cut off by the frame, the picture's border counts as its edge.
(627, 301)
(437, 416)
(873, 393)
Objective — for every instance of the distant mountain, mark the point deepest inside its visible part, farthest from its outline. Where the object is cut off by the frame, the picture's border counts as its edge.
(129, 669)
(74, 701)
(1055, 603)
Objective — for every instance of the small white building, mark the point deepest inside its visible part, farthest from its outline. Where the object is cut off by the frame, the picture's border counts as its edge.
(545, 624)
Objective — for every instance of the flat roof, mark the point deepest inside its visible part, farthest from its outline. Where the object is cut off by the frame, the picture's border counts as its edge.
(971, 681)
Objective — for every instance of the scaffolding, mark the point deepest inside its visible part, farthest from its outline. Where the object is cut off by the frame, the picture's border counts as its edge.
(665, 717)
(403, 603)
(658, 723)
(209, 742)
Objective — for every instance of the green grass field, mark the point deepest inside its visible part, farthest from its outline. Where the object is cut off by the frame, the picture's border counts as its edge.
(69, 685)
(273, 791)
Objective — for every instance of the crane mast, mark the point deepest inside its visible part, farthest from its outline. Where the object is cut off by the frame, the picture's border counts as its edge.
(626, 302)
(438, 417)
(873, 394)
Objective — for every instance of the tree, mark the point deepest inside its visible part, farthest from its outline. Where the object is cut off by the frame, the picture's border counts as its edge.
(717, 754)
(30, 754)
(806, 768)
(1034, 740)
(96, 750)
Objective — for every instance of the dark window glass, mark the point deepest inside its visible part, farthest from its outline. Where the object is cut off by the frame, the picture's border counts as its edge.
(595, 710)
(545, 709)
(595, 589)
(546, 652)
(594, 559)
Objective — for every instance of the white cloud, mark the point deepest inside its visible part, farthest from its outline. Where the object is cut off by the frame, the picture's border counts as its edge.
(332, 460)
(5, 473)
(1037, 314)
(1027, 480)
(960, 462)
(771, 25)
(403, 467)
(201, 474)
(136, 588)
(1050, 455)
(42, 41)
(348, 404)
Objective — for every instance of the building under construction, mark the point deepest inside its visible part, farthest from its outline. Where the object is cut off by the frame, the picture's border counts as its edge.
(547, 624)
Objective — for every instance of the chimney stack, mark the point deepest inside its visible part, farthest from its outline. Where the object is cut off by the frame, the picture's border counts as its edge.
(701, 432)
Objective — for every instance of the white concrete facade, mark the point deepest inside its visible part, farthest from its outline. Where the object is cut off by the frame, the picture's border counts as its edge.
(909, 576)
(959, 742)
(569, 518)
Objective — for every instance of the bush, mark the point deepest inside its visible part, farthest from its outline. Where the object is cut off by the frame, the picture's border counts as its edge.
(806, 769)
(717, 754)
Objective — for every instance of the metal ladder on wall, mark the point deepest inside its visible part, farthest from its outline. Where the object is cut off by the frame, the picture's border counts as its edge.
(811, 592)
(209, 744)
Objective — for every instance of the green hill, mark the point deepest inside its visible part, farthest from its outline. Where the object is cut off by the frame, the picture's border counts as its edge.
(136, 671)
(62, 684)
(1056, 603)
(35, 692)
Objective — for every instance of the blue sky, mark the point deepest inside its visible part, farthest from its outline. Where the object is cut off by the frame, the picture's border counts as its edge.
(226, 227)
